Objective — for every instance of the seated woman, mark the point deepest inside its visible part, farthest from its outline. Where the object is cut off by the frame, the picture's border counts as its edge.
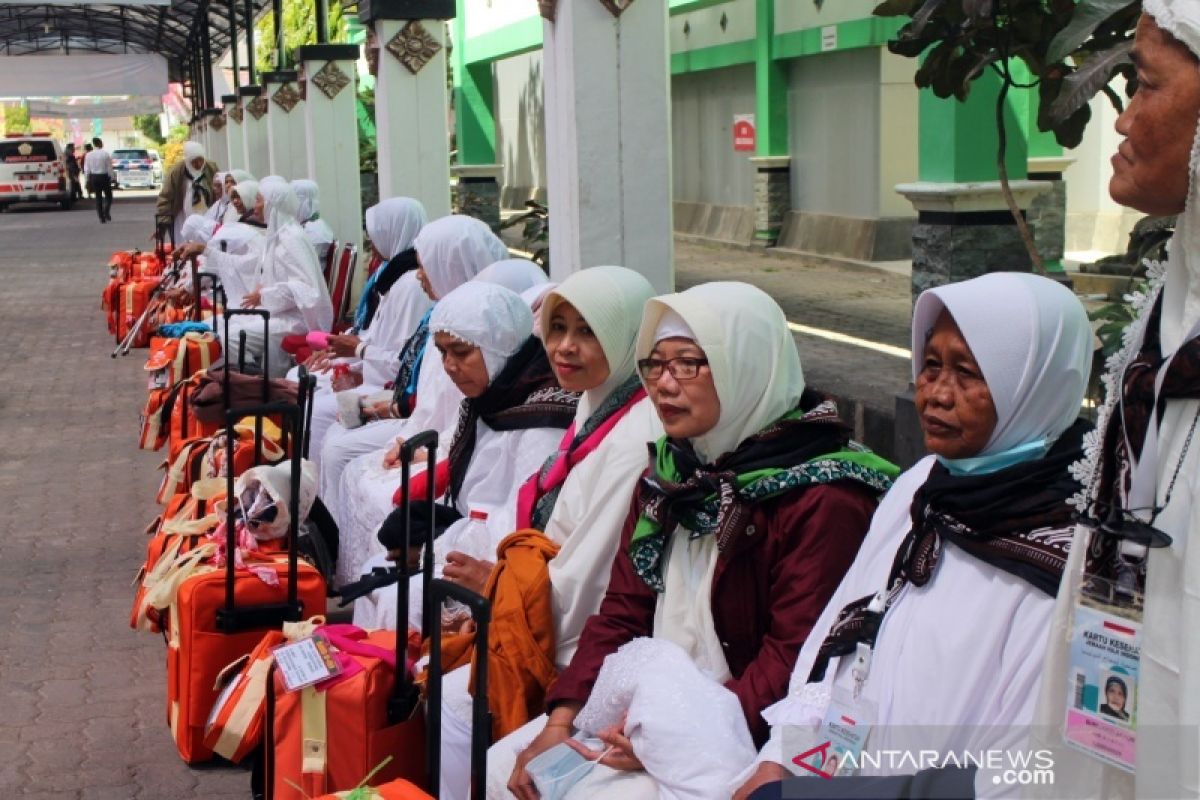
(220, 203)
(964, 555)
(580, 496)
(753, 507)
(450, 251)
(317, 230)
(285, 277)
(512, 415)
(393, 304)
(232, 179)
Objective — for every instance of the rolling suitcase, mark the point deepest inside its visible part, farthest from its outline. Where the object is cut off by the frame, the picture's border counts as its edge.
(218, 612)
(318, 742)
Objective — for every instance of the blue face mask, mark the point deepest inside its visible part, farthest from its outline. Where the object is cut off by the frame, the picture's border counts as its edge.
(556, 771)
(985, 465)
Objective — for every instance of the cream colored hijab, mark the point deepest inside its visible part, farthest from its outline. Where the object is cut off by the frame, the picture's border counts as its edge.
(751, 353)
(611, 299)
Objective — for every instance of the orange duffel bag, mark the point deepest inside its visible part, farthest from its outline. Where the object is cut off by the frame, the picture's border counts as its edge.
(133, 297)
(223, 596)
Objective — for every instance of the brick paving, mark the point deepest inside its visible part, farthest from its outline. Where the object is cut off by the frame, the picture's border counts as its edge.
(83, 700)
(82, 704)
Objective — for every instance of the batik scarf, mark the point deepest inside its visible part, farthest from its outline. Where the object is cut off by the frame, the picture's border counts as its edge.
(536, 500)
(1017, 519)
(404, 390)
(803, 448)
(380, 283)
(524, 395)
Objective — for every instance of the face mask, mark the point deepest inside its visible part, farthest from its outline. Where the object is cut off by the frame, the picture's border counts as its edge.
(557, 770)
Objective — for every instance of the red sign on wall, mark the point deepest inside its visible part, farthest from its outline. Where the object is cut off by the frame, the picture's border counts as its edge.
(745, 137)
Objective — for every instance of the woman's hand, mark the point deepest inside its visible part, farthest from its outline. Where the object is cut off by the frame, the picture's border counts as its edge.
(392, 459)
(378, 410)
(343, 345)
(620, 755)
(469, 573)
(252, 299)
(557, 731)
(767, 772)
(188, 250)
(319, 361)
(349, 380)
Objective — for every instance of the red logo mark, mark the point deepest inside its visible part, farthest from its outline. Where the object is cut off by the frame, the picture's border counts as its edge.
(823, 749)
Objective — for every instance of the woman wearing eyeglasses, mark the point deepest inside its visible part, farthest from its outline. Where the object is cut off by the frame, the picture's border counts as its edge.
(753, 507)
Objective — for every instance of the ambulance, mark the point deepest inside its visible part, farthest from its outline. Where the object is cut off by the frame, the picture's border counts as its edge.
(32, 170)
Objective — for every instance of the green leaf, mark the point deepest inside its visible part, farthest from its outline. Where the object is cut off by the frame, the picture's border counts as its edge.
(1081, 85)
(1089, 15)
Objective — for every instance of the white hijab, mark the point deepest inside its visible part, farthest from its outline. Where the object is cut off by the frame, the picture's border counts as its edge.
(487, 316)
(279, 207)
(612, 300)
(192, 151)
(310, 203)
(515, 274)
(247, 192)
(240, 175)
(393, 225)
(197, 229)
(751, 353)
(453, 250)
(1037, 370)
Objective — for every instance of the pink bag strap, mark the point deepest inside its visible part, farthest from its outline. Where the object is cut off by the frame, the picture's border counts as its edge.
(348, 639)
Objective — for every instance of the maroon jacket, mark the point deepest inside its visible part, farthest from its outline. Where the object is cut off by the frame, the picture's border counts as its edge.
(769, 587)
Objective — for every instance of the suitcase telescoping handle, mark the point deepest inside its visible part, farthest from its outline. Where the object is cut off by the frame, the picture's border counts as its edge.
(198, 278)
(405, 695)
(306, 395)
(231, 618)
(481, 716)
(265, 315)
(164, 227)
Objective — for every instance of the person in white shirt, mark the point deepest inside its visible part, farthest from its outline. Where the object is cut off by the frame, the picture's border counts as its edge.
(101, 178)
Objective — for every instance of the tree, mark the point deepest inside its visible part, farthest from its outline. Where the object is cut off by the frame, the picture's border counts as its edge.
(16, 119)
(299, 28)
(150, 127)
(1072, 50)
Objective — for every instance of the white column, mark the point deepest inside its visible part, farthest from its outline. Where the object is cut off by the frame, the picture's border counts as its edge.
(411, 112)
(331, 125)
(218, 145)
(254, 131)
(285, 126)
(235, 144)
(608, 139)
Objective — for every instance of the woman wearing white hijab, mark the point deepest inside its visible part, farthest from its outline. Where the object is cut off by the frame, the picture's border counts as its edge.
(220, 204)
(319, 234)
(285, 275)
(964, 556)
(580, 496)
(512, 415)
(372, 353)
(232, 179)
(187, 188)
(1145, 468)
(451, 251)
(754, 506)
(515, 274)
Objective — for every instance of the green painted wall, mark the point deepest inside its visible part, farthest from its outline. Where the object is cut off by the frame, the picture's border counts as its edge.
(474, 101)
(959, 141)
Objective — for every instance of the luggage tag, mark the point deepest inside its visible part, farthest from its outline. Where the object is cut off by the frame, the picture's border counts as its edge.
(305, 662)
(1105, 657)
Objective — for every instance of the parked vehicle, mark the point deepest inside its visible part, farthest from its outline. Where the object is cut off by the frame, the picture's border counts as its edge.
(32, 170)
(135, 168)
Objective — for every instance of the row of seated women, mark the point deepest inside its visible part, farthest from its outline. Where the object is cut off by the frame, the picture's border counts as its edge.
(693, 567)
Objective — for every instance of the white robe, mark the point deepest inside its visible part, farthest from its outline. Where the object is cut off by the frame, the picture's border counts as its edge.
(960, 657)
(319, 235)
(291, 289)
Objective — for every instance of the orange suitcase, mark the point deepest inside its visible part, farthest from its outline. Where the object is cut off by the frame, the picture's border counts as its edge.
(218, 613)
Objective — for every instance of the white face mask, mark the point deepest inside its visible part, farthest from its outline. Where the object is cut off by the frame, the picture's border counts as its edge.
(556, 771)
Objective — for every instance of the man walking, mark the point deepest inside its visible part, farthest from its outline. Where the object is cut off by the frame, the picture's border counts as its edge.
(98, 169)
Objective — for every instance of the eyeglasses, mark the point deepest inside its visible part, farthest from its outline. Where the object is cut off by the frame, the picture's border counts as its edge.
(1124, 524)
(684, 368)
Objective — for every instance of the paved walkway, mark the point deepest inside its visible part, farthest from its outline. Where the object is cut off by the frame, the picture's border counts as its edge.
(83, 706)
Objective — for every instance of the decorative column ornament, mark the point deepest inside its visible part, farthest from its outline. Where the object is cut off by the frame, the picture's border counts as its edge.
(217, 123)
(330, 79)
(616, 7)
(257, 107)
(236, 114)
(413, 46)
(549, 8)
(286, 97)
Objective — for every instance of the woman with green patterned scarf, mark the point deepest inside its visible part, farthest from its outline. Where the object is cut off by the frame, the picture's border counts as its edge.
(754, 506)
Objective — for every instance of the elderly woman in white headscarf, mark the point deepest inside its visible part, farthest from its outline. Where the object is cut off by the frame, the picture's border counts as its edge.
(512, 414)
(754, 506)
(571, 510)
(1142, 477)
(187, 188)
(220, 204)
(319, 234)
(393, 305)
(285, 277)
(936, 636)
(232, 179)
(451, 251)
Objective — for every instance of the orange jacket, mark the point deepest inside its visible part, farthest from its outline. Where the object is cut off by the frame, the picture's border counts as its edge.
(521, 639)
